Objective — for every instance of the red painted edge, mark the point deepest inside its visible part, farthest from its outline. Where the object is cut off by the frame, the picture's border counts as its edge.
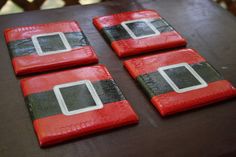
(116, 19)
(58, 128)
(24, 32)
(148, 64)
(128, 47)
(171, 103)
(34, 63)
(46, 82)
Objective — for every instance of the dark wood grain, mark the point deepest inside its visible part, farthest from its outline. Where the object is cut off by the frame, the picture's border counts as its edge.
(205, 132)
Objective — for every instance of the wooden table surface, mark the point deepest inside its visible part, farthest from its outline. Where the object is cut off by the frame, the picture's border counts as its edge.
(205, 132)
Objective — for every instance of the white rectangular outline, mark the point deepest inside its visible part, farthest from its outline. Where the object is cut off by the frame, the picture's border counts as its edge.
(62, 103)
(123, 24)
(39, 49)
(191, 70)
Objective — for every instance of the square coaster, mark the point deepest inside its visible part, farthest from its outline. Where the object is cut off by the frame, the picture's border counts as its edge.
(179, 80)
(86, 101)
(45, 47)
(136, 32)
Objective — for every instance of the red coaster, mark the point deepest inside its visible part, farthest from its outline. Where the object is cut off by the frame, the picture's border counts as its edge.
(138, 32)
(74, 103)
(179, 80)
(45, 47)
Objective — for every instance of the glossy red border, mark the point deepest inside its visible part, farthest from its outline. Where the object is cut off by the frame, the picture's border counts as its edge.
(58, 128)
(148, 64)
(34, 63)
(173, 102)
(116, 19)
(46, 82)
(24, 32)
(128, 47)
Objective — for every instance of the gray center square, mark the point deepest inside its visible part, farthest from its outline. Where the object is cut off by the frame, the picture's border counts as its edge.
(77, 97)
(140, 28)
(182, 77)
(51, 43)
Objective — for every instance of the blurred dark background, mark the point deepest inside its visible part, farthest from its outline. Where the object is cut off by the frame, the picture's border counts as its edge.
(16, 6)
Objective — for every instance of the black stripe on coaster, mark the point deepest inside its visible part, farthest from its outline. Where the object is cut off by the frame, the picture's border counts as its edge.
(117, 32)
(154, 84)
(45, 103)
(26, 47)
